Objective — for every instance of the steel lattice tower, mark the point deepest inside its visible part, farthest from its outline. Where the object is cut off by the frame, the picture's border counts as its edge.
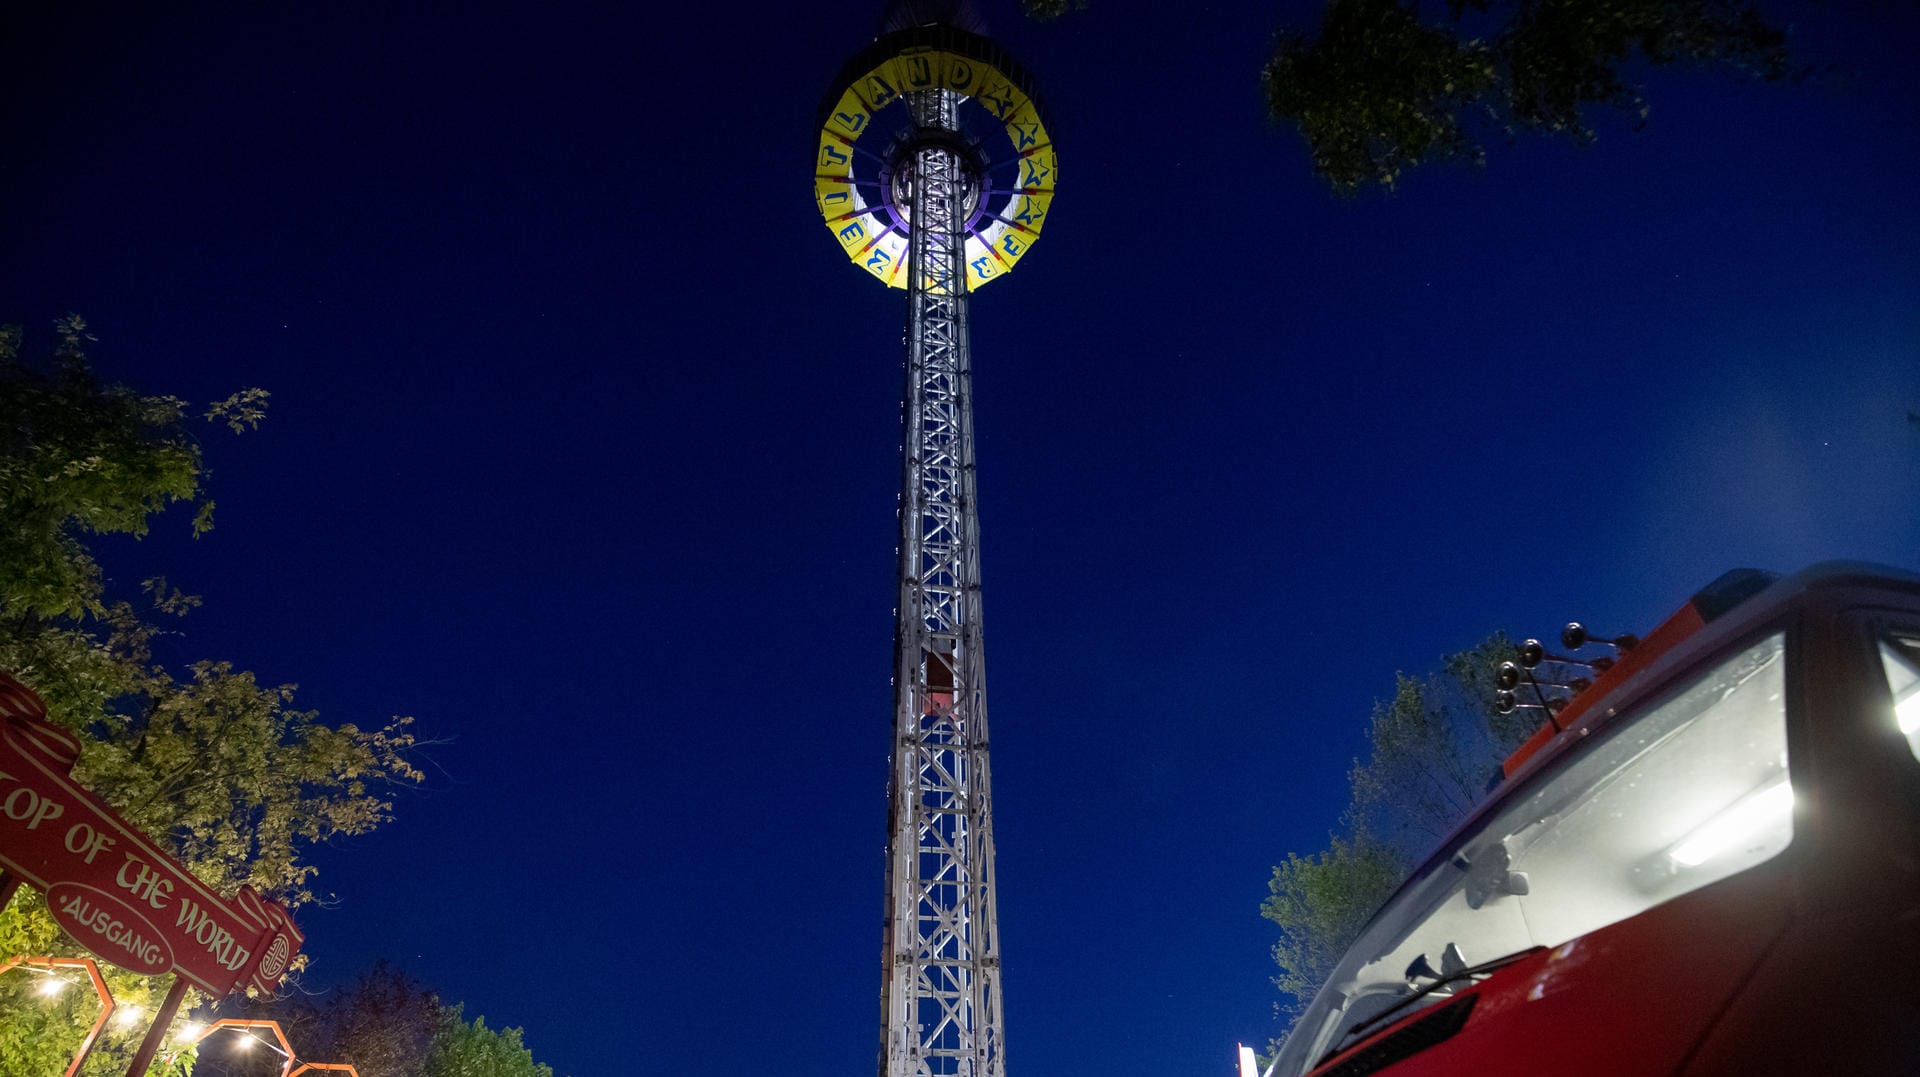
(949, 200)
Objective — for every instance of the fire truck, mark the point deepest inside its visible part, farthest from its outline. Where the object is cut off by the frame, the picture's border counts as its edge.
(1707, 860)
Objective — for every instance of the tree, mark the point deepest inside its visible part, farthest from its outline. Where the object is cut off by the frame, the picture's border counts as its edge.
(82, 458)
(1048, 10)
(224, 772)
(387, 1024)
(1431, 751)
(1321, 902)
(39, 1033)
(470, 1049)
(1381, 89)
(1433, 748)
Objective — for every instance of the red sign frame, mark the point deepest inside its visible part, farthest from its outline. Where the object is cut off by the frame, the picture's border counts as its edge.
(108, 885)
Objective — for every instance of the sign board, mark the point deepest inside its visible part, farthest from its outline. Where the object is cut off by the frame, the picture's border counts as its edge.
(111, 888)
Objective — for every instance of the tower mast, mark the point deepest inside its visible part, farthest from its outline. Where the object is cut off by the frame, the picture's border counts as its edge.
(942, 953)
(945, 210)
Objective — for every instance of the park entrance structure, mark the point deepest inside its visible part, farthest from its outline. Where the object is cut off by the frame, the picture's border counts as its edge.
(935, 173)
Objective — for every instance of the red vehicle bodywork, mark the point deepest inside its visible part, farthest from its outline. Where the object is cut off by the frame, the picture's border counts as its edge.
(1806, 963)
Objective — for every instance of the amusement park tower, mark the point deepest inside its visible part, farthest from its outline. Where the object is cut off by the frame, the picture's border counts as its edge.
(935, 173)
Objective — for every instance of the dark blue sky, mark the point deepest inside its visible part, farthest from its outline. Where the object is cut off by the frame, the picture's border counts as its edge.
(583, 451)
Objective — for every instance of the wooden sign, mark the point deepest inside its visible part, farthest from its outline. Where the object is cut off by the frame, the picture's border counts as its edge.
(110, 887)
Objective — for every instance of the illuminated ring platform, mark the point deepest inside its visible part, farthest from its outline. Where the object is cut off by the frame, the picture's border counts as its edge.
(863, 161)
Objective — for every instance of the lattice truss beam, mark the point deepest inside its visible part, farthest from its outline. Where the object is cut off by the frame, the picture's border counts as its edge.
(942, 1005)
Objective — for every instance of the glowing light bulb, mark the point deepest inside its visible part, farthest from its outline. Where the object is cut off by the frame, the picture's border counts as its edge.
(1765, 812)
(191, 1031)
(246, 1043)
(126, 1013)
(52, 986)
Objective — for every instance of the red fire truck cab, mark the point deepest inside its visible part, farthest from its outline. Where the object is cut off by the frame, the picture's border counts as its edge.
(1707, 862)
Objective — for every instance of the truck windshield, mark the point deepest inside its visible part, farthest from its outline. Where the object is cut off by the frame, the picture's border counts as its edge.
(1683, 792)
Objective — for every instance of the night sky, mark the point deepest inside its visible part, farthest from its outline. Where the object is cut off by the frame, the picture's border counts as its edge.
(583, 451)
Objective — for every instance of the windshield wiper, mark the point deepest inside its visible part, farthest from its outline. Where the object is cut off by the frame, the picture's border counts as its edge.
(1482, 969)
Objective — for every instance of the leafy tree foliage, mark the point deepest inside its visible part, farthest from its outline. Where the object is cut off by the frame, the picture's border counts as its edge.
(39, 1033)
(470, 1049)
(225, 772)
(1432, 749)
(1048, 10)
(83, 458)
(1382, 89)
(1321, 902)
(387, 1024)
